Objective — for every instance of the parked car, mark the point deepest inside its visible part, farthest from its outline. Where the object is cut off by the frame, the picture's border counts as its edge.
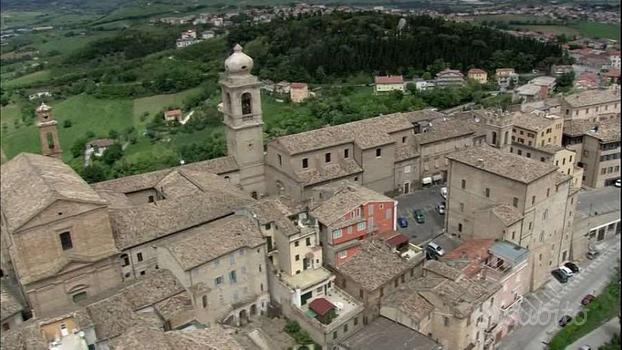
(440, 208)
(618, 183)
(565, 320)
(419, 216)
(572, 266)
(402, 222)
(430, 255)
(592, 254)
(444, 192)
(566, 271)
(587, 299)
(436, 248)
(559, 276)
(585, 347)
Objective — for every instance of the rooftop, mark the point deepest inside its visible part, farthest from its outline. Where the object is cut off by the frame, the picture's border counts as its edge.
(409, 303)
(449, 72)
(298, 85)
(507, 214)
(199, 245)
(446, 128)
(390, 79)
(543, 81)
(592, 97)
(509, 251)
(347, 197)
(307, 278)
(475, 251)
(606, 131)
(532, 121)
(146, 338)
(30, 183)
(384, 334)
(476, 71)
(501, 163)
(374, 265)
(340, 169)
(528, 89)
(442, 269)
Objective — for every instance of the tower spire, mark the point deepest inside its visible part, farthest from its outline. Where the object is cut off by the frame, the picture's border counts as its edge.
(48, 132)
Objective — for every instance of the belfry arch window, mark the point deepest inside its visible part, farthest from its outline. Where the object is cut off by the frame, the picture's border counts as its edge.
(246, 103)
(505, 138)
(494, 138)
(50, 139)
(228, 106)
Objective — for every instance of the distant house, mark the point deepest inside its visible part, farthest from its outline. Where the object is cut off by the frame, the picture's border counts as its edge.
(527, 93)
(389, 83)
(449, 77)
(208, 34)
(612, 76)
(188, 37)
(40, 94)
(99, 146)
(587, 80)
(478, 75)
(174, 114)
(422, 85)
(506, 76)
(282, 87)
(547, 83)
(614, 59)
(298, 92)
(558, 70)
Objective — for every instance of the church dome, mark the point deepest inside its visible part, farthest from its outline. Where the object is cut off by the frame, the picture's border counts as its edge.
(238, 62)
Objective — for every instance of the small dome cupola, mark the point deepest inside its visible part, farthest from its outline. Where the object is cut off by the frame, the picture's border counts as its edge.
(238, 63)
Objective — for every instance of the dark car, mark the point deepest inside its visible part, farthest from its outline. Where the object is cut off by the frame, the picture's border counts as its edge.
(419, 216)
(564, 320)
(431, 255)
(587, 299)
(592, 254)
(559, 276)
(402, 222)
(572, 266)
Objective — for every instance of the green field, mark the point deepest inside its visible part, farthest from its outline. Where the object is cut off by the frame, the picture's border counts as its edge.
(549, 29)
(600, 30)
(28, 79)
(156, 103)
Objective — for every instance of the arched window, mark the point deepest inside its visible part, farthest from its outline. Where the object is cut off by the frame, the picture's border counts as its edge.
(494, 138)
(246, 103)
(505, 138)
(228, 102)
(204, 301)
(50, 139)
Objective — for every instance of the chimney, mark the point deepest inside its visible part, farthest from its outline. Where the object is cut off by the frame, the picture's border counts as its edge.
(480, 161)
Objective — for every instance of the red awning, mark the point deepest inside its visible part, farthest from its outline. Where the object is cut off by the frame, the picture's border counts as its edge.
(321, 306)
(397, 240)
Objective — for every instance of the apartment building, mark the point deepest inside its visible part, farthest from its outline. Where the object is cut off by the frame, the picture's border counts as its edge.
(498, 195)
(348, 214)
(591, 104)
(506, 77)
(449, 78)
(536, 130)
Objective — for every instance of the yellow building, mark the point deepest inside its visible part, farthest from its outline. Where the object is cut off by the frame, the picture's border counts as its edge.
(478, 75)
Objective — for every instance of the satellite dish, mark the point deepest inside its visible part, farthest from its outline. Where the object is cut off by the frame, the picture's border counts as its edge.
(401, 24)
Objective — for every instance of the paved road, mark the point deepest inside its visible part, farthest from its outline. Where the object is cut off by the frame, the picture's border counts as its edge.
(602, 200)
(425, 199)
(599, 336)
(542, 309)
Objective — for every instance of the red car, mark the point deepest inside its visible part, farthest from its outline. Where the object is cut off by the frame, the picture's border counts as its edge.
(587, 299)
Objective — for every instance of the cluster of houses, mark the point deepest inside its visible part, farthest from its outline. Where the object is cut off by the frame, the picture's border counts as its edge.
(295, 91)
(189, 37)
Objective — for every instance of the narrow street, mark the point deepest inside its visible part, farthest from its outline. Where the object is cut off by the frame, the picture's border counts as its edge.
(541, 310)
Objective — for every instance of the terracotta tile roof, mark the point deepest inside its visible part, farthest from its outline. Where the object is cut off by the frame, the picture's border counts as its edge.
(474, 252)
(607, 131)
(152, 288)
(146, 338)
(9, 303)
(274, 210)
(449, 72)
(204, 243)
(214, 198)
(298, 85)
(173, 113)
(507, 213)
(532, 121)
(374, 265)
(113, 316)
(347, 197)
(390, 79)
(171, 307)
(476, 71)
(446, 128)
(31, 182)
(412, 304)
(442, 269)
(501, 163)
(578, 127)
(613, 73)
(343, 168)
(592, 97)
(101, 142)
(321, 306)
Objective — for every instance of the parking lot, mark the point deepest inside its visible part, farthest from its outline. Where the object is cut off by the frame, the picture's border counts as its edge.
(426, 200)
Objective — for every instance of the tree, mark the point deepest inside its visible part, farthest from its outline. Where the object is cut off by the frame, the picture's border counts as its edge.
(426, 76)
(77, 149)
(113, 134)
(112, 154)
(67, 123)
(94, 173)
(564, 82)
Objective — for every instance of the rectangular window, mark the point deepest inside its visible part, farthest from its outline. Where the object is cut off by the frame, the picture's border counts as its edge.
(356, 321)
(231, 259)
(297, 257)
(487, 192)
(446, 321)
(345, 328)
(139, 256)
(519, 152)
(296, 243)
(308, 241)
(533, 200)
(362, 226)
(233, 278)
(218, 280)
(378, 152)
(515, 202)
(305, 163)
(403, 139)
(65, 240)
(280, 160)
(327, 157)
(337, 233)
(346, 153)
(370, 209)
(463, 183)
(388, 214)
(528, 155)
(459, 227)
(461, 207)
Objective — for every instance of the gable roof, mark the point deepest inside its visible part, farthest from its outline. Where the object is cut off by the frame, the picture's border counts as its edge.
(389, 79)
(321, 306)
(591, 97)
(142, 337)
(204, 243)
(30, 183)
(347, 197)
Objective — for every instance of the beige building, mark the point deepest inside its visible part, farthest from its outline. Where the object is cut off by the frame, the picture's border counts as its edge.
(455, 311)
(478, 75)
(591, 104)
(449, 78)
(597, 147)
(388, 83)
(536, 130)
(223, 267)
(506, 77)
(298, 92)
(498, 195)
(46, 204)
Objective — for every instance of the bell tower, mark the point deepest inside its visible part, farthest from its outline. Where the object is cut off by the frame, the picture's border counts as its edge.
(241, 99)
(48, 132)
(499, 130)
